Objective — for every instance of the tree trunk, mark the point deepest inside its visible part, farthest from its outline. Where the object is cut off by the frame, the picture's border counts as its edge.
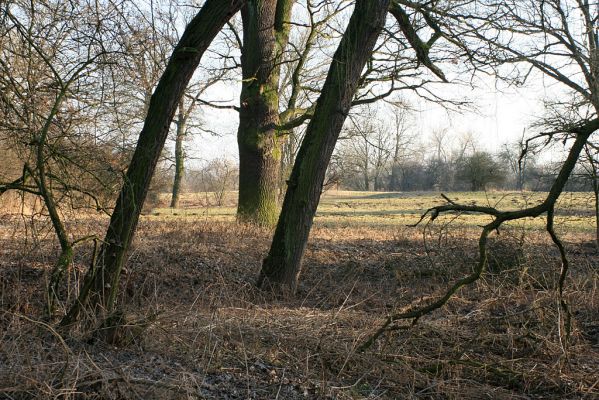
(66, 248)
(282, 265)
(287, 158)
(101, 282)
(520, 180)
(596, 193)
(594, 177)
(265, 36)
(395, 178)
(179, 156)
(377, 183)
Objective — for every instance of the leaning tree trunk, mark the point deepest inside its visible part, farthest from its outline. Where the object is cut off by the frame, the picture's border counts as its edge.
(101, 282)
(265, 36)
(282, 265)
(179, 156)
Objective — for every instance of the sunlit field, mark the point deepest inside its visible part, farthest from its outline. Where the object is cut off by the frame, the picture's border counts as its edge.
(198, 328)
(575, 210)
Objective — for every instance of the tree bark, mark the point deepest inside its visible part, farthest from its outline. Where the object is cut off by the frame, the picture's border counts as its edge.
(594, 177)
(596, 194)
(283, 263)
(66, 248)
(265, 36)
(101, 282)
(179, 156)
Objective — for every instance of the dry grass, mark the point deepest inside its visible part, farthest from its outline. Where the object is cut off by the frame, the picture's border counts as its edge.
(200, 329)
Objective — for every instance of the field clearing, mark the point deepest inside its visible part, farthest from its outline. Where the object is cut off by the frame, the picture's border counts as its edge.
(198, 328)
(574, 211)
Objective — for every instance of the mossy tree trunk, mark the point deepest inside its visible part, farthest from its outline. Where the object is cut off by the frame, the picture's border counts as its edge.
(265, 36)
(282, 265)
(101, 282)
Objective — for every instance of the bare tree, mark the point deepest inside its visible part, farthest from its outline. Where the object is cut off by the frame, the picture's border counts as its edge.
(400, 69)
(390, 69)
(498, 218)
(282, 265)
(52, 59)
(366, 150)
(102, 280)
(439, 172)
(187, 119)
(404, 143)
(188, 105)
(557, 39)
(519, 162)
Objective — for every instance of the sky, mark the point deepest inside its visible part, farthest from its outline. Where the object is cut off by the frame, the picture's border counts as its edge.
(501, 115)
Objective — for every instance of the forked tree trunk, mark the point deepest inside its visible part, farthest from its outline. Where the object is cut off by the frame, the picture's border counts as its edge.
(101, 282)
(265, 36)
(282, 265)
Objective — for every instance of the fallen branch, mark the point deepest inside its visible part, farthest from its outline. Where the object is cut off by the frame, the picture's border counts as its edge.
(547, 206)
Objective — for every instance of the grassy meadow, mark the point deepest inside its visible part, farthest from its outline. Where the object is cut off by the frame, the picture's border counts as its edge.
(198, 328)
(575, 211)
